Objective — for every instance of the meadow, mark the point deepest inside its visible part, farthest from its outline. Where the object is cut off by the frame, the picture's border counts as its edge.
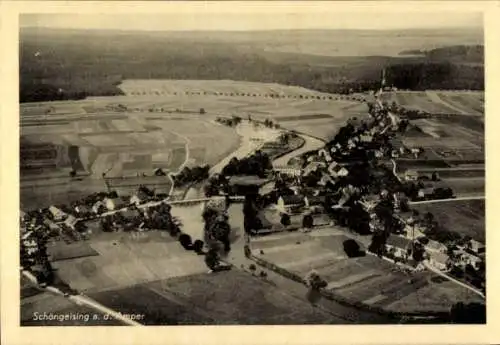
(366, 279)
(465, 217)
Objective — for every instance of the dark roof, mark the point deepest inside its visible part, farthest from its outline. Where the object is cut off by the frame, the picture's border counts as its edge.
(316, 200)
(247, 180)
(292, 199)
(130, 214)
(398, 241)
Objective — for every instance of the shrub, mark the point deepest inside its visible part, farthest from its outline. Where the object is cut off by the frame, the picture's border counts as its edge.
(186, 241)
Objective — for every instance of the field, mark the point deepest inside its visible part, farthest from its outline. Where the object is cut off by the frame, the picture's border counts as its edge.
(365, 279)
(464, 217)
(231, 297)
(439, 102)
(157, 124)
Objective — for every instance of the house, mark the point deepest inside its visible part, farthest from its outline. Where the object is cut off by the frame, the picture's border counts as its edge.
(324, 153)
(290, 203)
(325, 179)
(398, 245)
(288, 171)
(411, 175)
(477, 247)
(336, 170)
(57, 214)
(439, 260)
(425, 193)
(465, 258)
(99, 207)
(83, 210)
(366, 138)
(314, 201)
(435, 247)
(311, 167)
(243, 185)
(71, 222)
(112, 204)
(138, 198)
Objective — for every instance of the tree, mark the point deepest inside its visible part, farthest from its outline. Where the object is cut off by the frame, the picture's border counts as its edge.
(307, 221)
(186, 241)
(285, 220)
(202, 111)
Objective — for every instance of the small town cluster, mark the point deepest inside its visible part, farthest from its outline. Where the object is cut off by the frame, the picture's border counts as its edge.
(351, 182)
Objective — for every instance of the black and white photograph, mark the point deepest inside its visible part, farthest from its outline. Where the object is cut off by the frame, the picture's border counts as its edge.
(270, 168)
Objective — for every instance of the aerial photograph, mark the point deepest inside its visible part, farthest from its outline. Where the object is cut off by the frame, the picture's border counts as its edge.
(251, 169)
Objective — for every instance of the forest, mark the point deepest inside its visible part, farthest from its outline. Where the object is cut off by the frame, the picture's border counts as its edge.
(58, 65)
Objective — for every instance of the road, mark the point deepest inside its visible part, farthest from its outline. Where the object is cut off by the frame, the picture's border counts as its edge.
(444, 275)
(310, 144)
(463, 198)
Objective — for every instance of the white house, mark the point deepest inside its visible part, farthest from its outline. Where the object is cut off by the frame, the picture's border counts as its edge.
(115, 203)
(57, 214)
(411, 175)
(439, 260)
(289, 171)
(477, 247)
(290, 203)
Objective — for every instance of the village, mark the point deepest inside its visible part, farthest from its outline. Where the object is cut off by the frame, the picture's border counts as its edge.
(351, 182)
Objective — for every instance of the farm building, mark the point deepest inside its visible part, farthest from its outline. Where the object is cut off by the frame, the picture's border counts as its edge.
(325, 179)
(290, 203)
(477, 247)
(435, 247)
(83, 210)
(288, 171)
(314, 201)
(116, 203)
(57, 214)
(398, 245)
(465, 258)
(325, 154)
(411, 175)
(312, 166)
(337, 170)
(138, 198)
(439, 260)
(366, 138)
(243, 185)
(425, 193)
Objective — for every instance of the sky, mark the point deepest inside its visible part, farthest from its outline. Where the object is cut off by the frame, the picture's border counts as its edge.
(204, 19)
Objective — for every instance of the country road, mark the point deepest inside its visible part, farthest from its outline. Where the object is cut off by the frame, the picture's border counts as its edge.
(463, 198)
(310, 144)
(444, 275)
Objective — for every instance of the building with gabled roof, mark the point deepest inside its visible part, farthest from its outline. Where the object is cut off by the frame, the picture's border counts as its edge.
(290, 203)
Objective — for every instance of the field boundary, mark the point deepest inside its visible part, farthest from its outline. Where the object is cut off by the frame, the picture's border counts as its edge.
(399, 316)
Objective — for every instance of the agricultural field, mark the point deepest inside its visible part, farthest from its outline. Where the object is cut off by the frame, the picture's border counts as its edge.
(365, 279)
(231, 297)
(308, 111)
(463, 216)
(439, 102)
